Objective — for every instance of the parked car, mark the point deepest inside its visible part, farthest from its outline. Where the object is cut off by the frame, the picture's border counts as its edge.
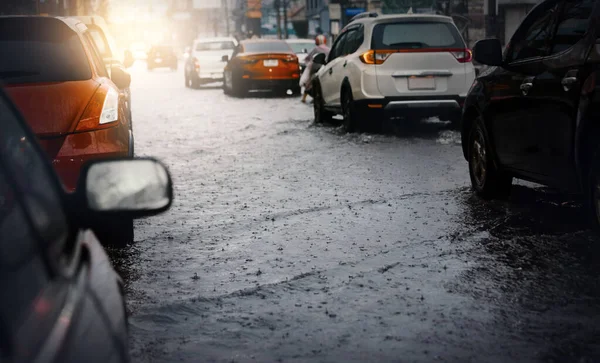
(111, 55)
(533, 114)
(162, 56)
(262, 64)
(393, 65)
(55, 76)
(206, 62)
(62, 300)
(301, 48)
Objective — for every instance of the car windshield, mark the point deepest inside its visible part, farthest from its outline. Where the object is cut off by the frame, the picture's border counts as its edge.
(40, 50)
(416, 35)
(301, 47)
(208, 46)
(263, 47)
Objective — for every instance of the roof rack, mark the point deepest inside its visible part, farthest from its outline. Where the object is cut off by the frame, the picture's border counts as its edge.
(367, 14)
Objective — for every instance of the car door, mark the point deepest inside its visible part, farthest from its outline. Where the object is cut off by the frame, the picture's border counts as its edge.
(557, 91)
(330, 82)
(513, 110)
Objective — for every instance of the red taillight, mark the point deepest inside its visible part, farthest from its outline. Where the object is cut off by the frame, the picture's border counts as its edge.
(462, 55)
(102, 111)
(375, 57)
(196, 63)
(290, 59)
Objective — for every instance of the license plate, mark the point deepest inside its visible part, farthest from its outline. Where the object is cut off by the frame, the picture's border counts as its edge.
(421, 83)
(158, 60)
(271, 63)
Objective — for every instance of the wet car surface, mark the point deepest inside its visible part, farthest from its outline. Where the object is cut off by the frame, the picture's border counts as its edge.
(294, 242)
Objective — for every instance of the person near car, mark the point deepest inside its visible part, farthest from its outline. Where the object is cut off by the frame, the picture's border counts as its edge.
(305, 80)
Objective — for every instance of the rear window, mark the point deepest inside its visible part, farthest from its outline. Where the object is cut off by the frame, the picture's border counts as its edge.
(162, 50)
(39, 50)
(208, 46)
(416, 35)
(267, 47)
(300, 47)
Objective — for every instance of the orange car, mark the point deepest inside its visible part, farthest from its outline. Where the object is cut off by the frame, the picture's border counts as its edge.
(58, 81)
(261, 64)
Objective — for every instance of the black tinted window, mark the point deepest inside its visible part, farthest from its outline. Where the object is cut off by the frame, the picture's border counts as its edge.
(40, 50)
(572, 25)
(533, 38)
(260, 47)
(354, 40)
(338, 47)
(200, 47)
(416, 35)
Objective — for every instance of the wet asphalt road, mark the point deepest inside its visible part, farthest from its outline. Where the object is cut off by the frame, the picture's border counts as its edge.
(293, 242)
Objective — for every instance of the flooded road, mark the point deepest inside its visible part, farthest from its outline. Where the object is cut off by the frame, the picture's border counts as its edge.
(292, 242)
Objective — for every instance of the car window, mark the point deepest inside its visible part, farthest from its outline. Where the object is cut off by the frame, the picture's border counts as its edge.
(32, 176)
(101, 68)
(208, 46)
(100, 42)
(338, 47)
(416, 35)
(300, 47)
(266, 47)
(353, 41)
(23, 274)
(40, 50)
(572, 25)
(533, 38)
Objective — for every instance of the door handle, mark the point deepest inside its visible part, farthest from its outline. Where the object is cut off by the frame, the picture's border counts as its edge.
(568, 82)
(526, 87)
(330, 70)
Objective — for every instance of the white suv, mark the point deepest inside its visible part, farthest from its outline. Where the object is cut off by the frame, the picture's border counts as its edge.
(393, 65)
(207, 60)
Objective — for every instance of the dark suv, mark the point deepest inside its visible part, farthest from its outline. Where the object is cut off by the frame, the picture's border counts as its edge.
(534, 113)
(162, 56)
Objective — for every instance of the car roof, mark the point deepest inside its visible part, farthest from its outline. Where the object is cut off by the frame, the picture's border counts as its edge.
(394, 17)
(300, 40)
(215, 39)
(74, 24)
(251, 41)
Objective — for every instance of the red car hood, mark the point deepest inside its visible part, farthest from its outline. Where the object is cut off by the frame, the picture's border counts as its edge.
(52, 109)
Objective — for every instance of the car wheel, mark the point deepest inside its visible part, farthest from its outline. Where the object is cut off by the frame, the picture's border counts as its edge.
(195, 82)
(321, 115)
(238, 89)
(351, 119)
(118, 235)
(487, 181)
(296, 91)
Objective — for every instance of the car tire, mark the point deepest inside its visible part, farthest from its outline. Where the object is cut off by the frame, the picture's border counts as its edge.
(118, 235)
(349, 112)
(238, 89)
(486, 179)
(195, 82)
(321, 114)
(296, 91)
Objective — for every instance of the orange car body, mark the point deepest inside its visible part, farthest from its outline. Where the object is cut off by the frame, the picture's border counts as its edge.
(263, 64)
(66, 114)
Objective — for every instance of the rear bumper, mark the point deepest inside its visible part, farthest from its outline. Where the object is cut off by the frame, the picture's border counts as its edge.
(77, 149)
(446, 107)
(270, 84)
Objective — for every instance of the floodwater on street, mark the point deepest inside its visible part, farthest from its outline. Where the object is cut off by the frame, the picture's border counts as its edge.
(291, 242)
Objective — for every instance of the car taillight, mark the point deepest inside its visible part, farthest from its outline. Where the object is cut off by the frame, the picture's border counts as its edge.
(196, 64)
(375, 57)
(290, 59)
(247, 60)
(102, 111)
(462, 55)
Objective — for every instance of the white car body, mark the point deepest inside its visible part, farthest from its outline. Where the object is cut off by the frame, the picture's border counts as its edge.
(430, 77)
(206, 63)
(301, 47)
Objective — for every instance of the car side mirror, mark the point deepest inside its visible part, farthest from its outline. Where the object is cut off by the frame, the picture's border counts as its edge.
(320, 59)
(120, 77)
(488, 52)
(125, 188)
(225, 58)
(128, 60)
